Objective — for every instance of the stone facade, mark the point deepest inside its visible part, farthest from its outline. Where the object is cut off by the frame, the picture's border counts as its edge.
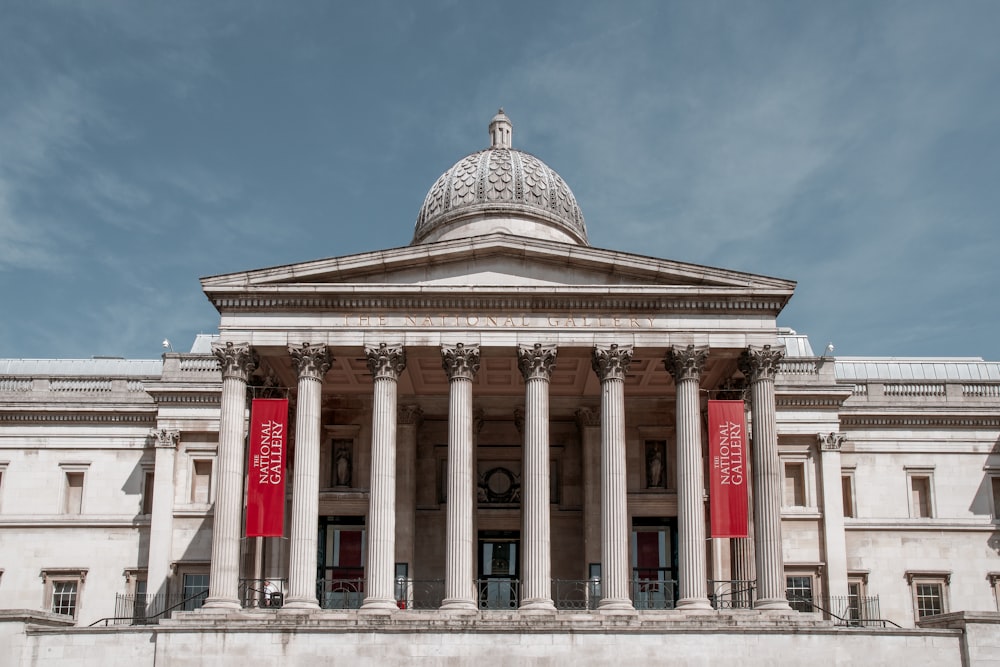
(503, 432)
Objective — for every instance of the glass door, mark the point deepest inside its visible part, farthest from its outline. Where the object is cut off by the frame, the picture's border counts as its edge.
(498, 570)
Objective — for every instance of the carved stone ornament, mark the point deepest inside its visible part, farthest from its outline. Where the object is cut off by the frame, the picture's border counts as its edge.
(235, 359)
(385, 361)
(611, 362)
(164, 438)
(312, 361)
(831, 441)
(536, 361)
(409, 414)
(686, 363)
(760, 363)
(587, 418)
(519, 420)
(460, 361)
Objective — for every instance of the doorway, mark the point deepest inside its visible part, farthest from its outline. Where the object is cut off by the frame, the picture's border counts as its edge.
(499, 571)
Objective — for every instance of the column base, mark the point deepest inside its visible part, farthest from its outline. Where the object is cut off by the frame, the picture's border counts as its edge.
(379, 605)
(607, 606)
(694, 604)
(299, 605)
(461, 606)
(220, 604)
(772, 604)
(537, 606)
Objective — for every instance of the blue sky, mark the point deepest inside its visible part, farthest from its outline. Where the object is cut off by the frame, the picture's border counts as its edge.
(851, 146)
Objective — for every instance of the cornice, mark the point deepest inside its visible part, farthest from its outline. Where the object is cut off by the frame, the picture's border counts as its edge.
(71, 417)
(921, 420)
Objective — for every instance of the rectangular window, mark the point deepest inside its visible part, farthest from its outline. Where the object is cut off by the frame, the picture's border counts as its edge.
(73, 495)
(194, 590)
(795, 484)
(64, 595)
(995, 487)
(930, 592)
(920, 496)
(147, 492)
(799, 591)
(847, 488)
(201, 482)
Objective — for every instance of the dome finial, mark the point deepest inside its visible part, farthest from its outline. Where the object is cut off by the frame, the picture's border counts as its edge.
(500, 130)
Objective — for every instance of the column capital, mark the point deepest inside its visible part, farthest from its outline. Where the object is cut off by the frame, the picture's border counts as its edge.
(587, 418)
(409, 415)
(386, 361)
(312, 361)
(237, 360)
(165, 438)
(460, 361)
(536, 361)
(831, 442)
(761, 362)
(686, 363)
(611, 362)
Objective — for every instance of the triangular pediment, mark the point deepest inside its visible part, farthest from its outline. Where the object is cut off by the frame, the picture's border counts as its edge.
(496, 260)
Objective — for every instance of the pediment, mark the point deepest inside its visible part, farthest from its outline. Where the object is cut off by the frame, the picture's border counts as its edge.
(496, 260)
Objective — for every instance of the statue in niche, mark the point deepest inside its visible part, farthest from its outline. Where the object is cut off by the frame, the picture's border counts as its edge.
(342, 467)
(654, 466)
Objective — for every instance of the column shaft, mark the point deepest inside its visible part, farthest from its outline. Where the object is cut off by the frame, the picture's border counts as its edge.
(386, 363)
(760, 365)
(536, 365)
(313, 361)
(161, 523)
(461, 362)
(223, 585)
(611, 364)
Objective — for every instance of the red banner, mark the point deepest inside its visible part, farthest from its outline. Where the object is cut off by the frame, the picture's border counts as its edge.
(728, 476)
(266, 483)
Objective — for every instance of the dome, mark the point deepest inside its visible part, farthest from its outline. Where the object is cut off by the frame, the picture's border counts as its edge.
(500, 189)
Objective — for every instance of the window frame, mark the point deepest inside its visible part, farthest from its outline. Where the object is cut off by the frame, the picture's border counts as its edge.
(52, 577)
(917, 578)
(850, 500)
(915, 473)
(73, 468)
(812, 572)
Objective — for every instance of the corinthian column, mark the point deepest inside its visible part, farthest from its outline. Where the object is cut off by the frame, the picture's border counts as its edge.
(759, 365)
(611, 362)
(536, 364)
(312, 362)
(237, 361)
(685, 365)
(385, 363)
(461, 363)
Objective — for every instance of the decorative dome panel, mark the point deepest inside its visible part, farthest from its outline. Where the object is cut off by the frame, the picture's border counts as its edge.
(500, 189)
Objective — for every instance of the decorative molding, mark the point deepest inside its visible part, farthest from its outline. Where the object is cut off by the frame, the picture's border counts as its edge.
(409, 415)
(587, 418)
(385, 361)
(311, 361)
(831, 442)
(912, 421)
(142, 419)
(611, 362)
(686, 363)
(69, 572)
(165, 438)
(943, 575)
(519, 421)
(460, 361)
(536, 361)
(236, 360)
(761, 362)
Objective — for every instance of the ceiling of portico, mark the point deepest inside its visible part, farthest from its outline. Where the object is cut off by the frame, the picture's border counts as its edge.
(499, 375)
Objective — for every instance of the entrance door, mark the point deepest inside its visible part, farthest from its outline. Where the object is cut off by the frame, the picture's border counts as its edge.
(341, 561)
(498, 569)
(654, 563)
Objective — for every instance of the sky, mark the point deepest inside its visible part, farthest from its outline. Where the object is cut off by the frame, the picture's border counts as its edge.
(853, 147)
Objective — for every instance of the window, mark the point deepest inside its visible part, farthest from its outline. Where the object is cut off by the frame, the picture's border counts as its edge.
(795, 484)
(147, 492)
(799, 591)
(994, 578)
(3, 472)
(63, 589)
(73, 497)
(847, 489)
(994, 487)
(201, 481)
(194, 590)
(930, 592)
(860, 607)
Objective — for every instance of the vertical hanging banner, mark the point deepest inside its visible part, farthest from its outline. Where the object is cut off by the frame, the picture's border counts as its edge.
(266, 481)
(728, 471)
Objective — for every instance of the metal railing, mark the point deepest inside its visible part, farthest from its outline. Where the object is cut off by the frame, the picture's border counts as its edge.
(653, 593)
(149, 609)
(419, 593)
(576, 594)
(340, 593)
(732, 593)
(262, 593)
(499, 593)
(856, 611)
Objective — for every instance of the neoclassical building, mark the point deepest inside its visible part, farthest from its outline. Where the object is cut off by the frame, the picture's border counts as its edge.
(502, 429)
